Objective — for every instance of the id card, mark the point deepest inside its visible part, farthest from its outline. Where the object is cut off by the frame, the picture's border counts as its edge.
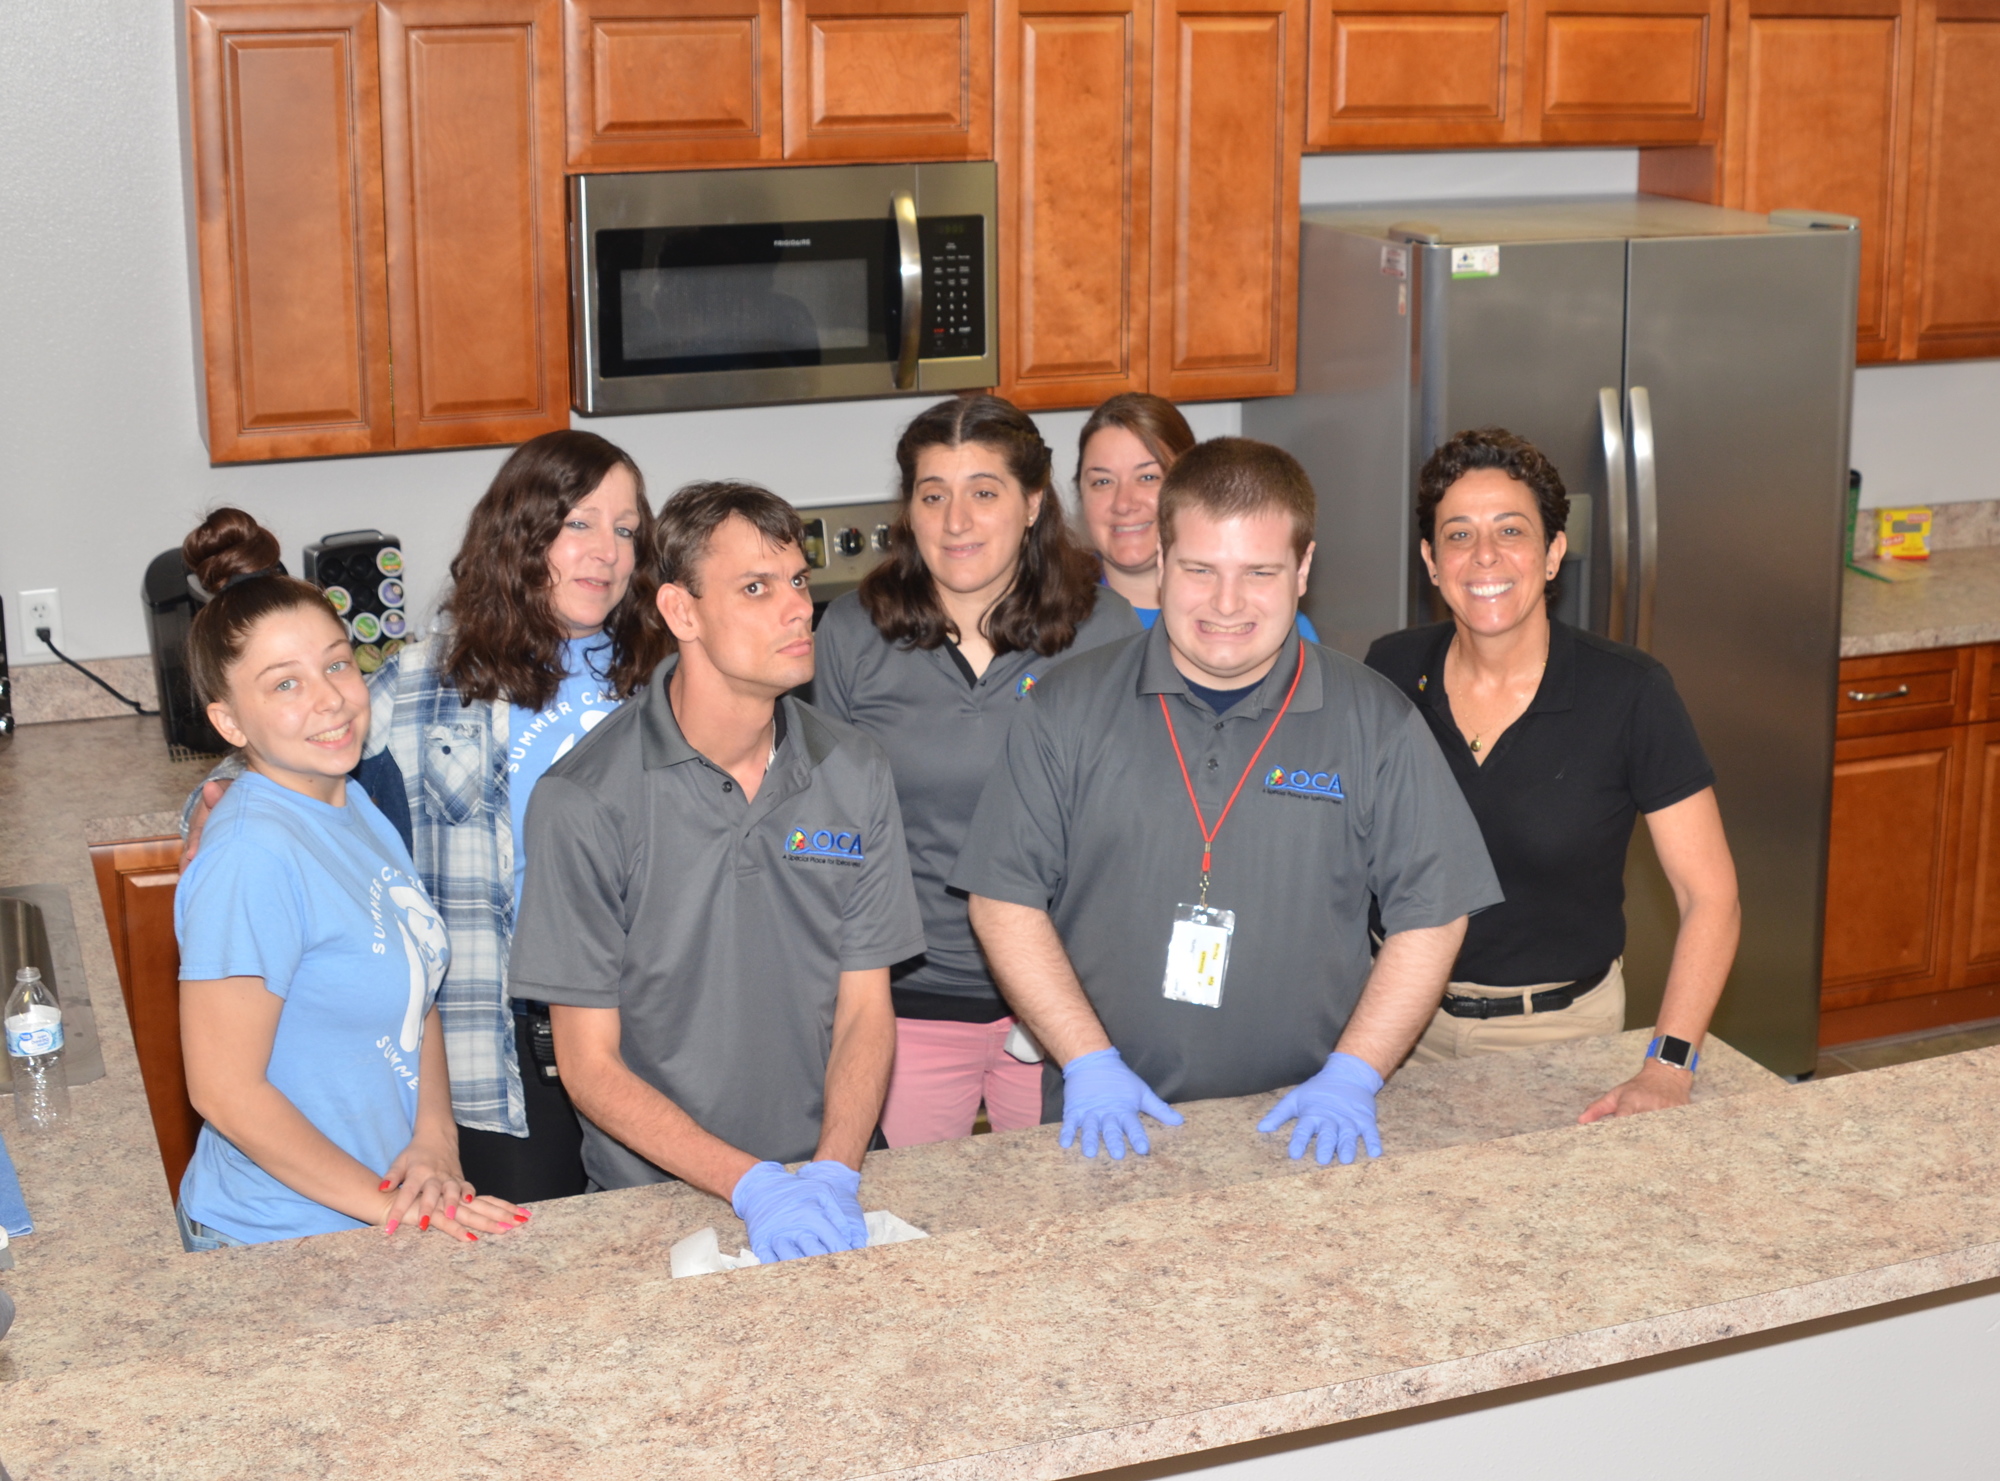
(1198, 955)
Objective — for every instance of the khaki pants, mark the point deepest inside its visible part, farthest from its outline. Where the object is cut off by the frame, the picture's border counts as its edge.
(1599, 1011)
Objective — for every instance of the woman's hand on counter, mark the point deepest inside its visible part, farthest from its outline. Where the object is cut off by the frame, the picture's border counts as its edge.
(428, 1190)
(1657, 1087)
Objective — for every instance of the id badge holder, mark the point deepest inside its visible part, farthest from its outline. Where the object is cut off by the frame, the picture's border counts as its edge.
(1198, 955)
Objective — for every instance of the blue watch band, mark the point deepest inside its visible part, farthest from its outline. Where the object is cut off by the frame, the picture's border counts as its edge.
(1677, 1052)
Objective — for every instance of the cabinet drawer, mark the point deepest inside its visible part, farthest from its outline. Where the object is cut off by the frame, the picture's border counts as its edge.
(1894, 692)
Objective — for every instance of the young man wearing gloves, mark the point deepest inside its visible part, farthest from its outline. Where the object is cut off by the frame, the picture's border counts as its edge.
(716, 889)
(1171, 872)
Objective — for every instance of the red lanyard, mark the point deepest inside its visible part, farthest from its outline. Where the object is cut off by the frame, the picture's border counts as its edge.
(1207, 833)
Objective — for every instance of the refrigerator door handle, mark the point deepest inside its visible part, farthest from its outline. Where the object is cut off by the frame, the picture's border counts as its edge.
(1617, 527)
(1646, 501)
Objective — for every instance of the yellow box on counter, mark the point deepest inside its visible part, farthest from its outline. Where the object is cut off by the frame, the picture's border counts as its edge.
(1903, 534)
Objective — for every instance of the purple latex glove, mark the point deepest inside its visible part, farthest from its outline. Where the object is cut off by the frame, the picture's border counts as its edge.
(1102, 1098)
(790, 1217)
(1337, 1105)
(845, 1185)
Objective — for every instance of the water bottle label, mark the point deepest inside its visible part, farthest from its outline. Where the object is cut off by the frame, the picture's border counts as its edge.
(34, 1033)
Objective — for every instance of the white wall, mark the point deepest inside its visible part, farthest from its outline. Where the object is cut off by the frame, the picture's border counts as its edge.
(1917, 432)
(101, 461)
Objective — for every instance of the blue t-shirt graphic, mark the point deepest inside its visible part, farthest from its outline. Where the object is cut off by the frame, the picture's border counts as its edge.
(324, 904)
(537, 739)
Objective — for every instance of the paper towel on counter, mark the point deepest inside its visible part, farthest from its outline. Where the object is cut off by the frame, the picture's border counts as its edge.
(701, 1253)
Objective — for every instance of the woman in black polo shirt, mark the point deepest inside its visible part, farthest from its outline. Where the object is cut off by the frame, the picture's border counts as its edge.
(1559, 739)
(983, 591)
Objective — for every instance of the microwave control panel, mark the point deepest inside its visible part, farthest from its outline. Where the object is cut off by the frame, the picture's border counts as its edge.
(954, 253)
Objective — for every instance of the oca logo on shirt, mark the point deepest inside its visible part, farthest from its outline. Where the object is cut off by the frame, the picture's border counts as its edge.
(1322, 786)
(825, 846)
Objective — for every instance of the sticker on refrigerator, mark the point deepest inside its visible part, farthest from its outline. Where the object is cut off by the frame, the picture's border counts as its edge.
(1475, 262)
(1395, 261)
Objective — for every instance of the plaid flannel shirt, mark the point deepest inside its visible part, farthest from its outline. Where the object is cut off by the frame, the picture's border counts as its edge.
(453, 760)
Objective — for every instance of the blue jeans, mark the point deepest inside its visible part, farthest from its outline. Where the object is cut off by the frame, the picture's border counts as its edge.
(196, 1236)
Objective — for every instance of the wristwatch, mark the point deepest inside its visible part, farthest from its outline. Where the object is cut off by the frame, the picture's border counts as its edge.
(1677, 1052)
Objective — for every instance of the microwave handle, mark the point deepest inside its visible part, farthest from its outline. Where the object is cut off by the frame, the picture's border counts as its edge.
(912, 271)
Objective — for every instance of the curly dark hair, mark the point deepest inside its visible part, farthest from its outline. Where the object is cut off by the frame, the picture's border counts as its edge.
(1491, 447)
(1055, 588)
(506, 641)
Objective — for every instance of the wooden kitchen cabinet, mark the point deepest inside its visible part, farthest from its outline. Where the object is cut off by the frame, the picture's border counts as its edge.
(1890, 865)
(1074, 147)
(888, 79)
(1625, 71)
(1913, 852)
(1819, 120)
(1951, 287)
(472, 194)
(1228, 130)
(285, 137)
(136, 880)
(1415, 73)
(379, 224)
(651, 84)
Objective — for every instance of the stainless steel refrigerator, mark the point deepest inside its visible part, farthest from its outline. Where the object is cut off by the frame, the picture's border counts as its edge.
(1690, 371)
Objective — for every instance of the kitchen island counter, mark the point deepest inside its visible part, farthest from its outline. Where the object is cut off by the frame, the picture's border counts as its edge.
(1064, 1317)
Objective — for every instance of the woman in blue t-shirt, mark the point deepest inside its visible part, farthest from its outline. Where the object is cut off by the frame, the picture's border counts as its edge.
(310, 953)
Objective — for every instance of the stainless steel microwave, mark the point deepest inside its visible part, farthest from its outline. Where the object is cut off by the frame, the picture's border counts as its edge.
(734, 287)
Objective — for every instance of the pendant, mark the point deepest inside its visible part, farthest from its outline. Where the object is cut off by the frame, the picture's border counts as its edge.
(1475, 745)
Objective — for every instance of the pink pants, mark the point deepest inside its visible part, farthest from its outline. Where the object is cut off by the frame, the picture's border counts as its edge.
(943, 1071)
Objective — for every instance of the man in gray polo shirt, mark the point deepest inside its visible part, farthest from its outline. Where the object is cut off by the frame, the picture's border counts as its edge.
(716, 889)
(1171, 873)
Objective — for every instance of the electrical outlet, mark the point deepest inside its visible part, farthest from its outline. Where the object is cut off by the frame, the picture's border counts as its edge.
(40, 609)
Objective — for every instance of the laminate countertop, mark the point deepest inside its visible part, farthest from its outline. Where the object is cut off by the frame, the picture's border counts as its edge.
(1947, 601)
(1065, 1316)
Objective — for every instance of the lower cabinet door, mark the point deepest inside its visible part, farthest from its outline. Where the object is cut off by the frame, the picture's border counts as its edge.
(472, 151)
(1892, 865)
(1977, 950)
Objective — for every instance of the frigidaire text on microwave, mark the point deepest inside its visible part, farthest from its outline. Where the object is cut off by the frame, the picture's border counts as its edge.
(733, 287)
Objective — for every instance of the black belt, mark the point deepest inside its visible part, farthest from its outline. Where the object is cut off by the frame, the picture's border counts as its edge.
(1544, 1002)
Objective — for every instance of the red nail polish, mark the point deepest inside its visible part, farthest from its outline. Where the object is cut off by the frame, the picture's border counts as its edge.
(385, 1186)
(468, 1198)
(473, 1237)
(424, 1222)
(520, 1218)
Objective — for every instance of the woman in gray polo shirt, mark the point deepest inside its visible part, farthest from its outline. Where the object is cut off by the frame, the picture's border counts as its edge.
(983, 591)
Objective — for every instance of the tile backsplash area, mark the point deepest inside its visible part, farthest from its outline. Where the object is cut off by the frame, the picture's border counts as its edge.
(54, 691)
(1958, 526)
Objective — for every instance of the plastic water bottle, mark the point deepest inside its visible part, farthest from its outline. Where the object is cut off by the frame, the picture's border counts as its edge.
(34, 1050)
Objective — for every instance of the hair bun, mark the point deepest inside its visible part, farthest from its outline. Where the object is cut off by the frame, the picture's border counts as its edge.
(228, 543)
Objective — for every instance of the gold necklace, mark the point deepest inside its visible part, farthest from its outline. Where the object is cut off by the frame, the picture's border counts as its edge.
(1538, 684)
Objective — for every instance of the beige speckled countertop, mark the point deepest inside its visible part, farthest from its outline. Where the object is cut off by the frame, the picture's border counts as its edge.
(1951, 599)
(1065, 1317)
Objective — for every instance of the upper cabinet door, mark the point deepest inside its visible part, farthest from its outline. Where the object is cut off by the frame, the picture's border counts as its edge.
(1228, 127)
(655, 84)
(1816, 123)
(1396, 73)
(471, 149)
(1074, 147)
(1625, 71)
(888, 79)
(288, 200)
(1952, 303)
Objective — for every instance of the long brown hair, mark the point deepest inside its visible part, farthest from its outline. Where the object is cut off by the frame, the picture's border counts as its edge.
(1055, 585)
(1154, 420)
(506, 641)
(235, 560)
